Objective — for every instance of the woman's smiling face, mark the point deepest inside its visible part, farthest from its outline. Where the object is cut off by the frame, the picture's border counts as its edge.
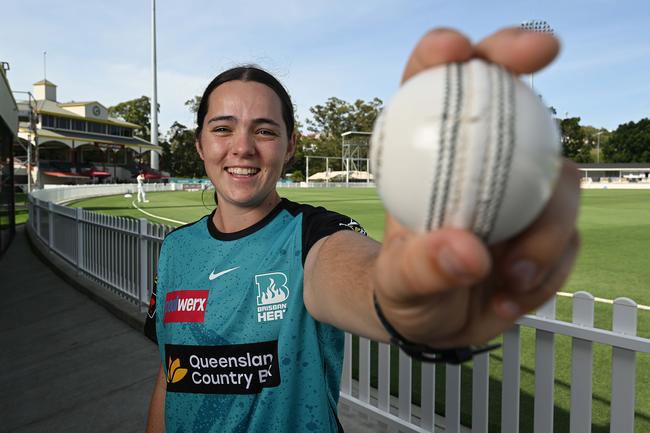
(244, 142)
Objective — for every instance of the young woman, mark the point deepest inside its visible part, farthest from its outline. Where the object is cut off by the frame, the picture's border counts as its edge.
(251, 300)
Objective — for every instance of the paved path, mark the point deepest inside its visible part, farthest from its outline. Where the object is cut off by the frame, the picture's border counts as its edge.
(66, 363)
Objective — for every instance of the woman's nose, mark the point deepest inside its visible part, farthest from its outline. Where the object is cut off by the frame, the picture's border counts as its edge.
(243, 145)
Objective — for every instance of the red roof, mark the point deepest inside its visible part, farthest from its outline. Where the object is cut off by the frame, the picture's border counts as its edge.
(64, 174)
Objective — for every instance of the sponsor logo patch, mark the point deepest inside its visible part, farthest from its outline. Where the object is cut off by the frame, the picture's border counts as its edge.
(213, 276)
(354, 226)
(185, 306)
(152, 300)
(272, 293)
(231, 369)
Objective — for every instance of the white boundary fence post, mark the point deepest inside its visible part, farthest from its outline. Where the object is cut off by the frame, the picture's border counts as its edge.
(50, 225)
(623, 369)
(405, 377)
(428, 395)
(346, 374)
(452, 398)
(480, 392)
(142, 246)
(80, 238)
(511, 378)
(544, 372)
(364, 369)
(383, 377)
(581, 366)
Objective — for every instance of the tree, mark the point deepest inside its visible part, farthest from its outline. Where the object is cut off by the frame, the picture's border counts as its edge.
(297, 176)
(337, 116)
(136, 111)
(575, 145)
(182, 158)
(630, 142)
(597, 139)
(193, 104)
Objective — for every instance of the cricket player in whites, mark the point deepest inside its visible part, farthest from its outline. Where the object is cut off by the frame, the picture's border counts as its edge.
(142, 197)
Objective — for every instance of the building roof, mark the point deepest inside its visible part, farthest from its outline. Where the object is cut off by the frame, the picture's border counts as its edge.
(132, 142)
(78, 103)
(616, 166)
(50, 107)
(47, 83)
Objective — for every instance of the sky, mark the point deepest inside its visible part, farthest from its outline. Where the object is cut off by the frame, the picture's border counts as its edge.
(353, 49)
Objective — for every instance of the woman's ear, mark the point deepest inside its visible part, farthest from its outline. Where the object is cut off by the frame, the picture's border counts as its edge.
(291, 148)
(199, 149)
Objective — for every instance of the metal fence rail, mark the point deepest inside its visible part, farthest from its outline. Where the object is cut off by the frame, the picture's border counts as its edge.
(122, 254)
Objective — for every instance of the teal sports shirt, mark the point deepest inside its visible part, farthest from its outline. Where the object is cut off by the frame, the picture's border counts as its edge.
(240, 351)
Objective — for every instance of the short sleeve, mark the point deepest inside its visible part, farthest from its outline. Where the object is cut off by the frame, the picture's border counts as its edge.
(319, 223)
(150, 320)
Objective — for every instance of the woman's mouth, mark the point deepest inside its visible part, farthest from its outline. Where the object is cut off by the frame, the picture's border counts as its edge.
(242, 171)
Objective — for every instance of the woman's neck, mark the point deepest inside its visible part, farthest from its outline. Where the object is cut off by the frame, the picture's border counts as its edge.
(230, 218)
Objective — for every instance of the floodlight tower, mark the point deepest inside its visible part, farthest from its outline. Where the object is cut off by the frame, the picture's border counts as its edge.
(154, 100)
(538, 26)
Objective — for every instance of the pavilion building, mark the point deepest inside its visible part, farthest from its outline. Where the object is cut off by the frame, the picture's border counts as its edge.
(78, 142)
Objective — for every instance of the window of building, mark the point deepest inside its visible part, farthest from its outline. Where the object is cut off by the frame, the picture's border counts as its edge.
(98, 128)
(79, 125)
(113, 130)
(47, 121)
(62, 123)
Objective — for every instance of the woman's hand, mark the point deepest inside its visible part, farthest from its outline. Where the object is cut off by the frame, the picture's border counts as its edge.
(446, 288)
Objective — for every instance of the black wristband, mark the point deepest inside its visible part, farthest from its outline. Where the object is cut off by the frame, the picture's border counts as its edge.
(422, 352)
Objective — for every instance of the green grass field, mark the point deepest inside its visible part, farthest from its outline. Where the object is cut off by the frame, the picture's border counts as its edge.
(21, 208)
(21, 214)
(613, 262)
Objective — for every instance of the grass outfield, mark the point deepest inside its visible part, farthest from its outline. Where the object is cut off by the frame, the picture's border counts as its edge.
(613, 262)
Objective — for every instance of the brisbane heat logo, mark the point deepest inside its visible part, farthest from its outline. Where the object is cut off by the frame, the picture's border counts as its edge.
(272, 293)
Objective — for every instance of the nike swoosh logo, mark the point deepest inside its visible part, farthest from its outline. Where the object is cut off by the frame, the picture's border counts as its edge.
(214, 276)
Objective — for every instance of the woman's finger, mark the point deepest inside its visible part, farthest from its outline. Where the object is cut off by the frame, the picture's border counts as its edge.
(518, 50)
(438, 47)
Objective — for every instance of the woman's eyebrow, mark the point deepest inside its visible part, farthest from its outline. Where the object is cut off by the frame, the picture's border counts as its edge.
(260, 120)
(230, 118)
(222, 118)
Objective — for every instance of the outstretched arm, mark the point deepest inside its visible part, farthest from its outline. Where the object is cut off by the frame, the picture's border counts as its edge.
(446, 288)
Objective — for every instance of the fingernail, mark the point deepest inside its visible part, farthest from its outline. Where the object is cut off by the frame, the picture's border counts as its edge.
(522, 275)
(449, 263)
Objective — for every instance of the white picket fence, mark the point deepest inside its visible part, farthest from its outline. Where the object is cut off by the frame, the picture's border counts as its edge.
(122, 254)
(398, 414)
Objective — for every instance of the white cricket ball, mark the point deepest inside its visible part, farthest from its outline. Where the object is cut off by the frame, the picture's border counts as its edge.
(466, 145)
